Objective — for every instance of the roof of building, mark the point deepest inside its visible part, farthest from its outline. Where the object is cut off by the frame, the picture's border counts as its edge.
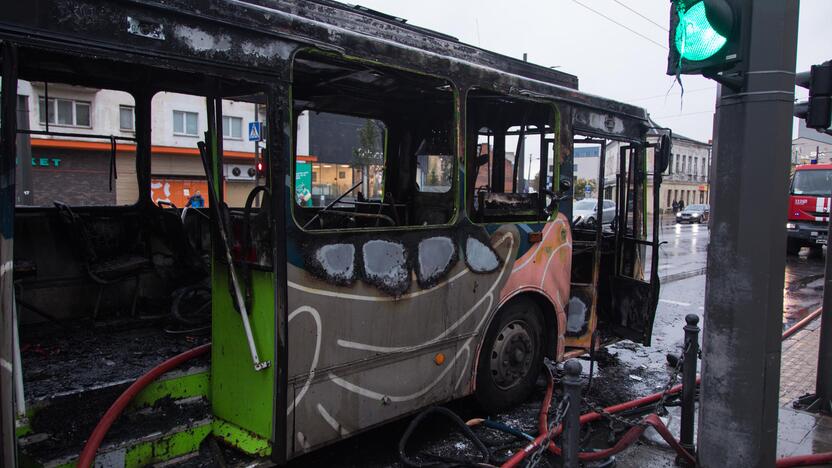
(811, 134)
(676, 136)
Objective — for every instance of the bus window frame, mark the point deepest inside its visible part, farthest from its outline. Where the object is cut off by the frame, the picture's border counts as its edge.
(553, 157)
(454, 131)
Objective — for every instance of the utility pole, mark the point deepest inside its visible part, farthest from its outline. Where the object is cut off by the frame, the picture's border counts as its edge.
(746, 255)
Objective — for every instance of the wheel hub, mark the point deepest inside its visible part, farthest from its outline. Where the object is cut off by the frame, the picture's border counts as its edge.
(511, 355)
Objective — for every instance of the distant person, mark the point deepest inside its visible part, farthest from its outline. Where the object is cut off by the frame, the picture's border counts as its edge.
(196, 201)
(675, 206)
(681, 205)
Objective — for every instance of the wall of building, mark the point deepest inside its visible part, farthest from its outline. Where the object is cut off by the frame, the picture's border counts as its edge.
(75, 169)
(811, 145)
(686, 178)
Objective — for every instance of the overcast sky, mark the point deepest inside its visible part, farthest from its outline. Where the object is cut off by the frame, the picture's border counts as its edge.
(608, 59)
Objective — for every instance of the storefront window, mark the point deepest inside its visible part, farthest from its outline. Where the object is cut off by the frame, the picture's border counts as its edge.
(345, 152)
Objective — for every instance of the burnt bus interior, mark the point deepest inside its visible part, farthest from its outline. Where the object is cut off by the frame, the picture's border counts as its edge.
(104, 293)
(417, 113)
(509, 126)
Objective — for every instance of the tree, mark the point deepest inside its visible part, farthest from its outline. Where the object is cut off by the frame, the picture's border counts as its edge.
(369, 152)
(535, 183)
(580, 187)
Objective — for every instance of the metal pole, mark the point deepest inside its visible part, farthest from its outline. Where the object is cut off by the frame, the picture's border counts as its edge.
(691, 358)
(571, 421)
(746, 256)
(823, 384)
(8, 123)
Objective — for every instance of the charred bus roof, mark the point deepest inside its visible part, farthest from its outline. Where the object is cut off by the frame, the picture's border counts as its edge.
(258, 39)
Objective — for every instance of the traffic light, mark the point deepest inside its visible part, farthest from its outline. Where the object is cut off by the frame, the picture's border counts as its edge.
(817, 111)
(706, 36)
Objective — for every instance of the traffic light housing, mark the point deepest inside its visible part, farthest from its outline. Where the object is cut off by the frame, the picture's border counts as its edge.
(817, 111)
(706, 36)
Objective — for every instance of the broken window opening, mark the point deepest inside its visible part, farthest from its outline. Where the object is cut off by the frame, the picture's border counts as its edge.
(374, 147)
(72, 148)
(512, 157)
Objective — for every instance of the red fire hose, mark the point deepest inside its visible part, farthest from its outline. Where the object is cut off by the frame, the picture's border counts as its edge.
(652, 419)
(802, 323)
(87, 456)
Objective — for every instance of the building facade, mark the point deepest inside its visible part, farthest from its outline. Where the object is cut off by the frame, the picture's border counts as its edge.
(811, 145)
(80, 149)
(686, 180)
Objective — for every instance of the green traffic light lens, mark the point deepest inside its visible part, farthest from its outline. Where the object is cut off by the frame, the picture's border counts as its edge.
(696, 39)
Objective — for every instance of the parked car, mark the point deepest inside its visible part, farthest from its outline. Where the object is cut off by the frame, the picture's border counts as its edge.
(585, 212)
(694, 214)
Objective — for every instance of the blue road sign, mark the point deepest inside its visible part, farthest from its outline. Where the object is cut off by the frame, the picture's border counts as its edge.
(254, 131)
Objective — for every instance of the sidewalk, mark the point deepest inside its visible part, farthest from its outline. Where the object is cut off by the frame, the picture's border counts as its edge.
(800, 432)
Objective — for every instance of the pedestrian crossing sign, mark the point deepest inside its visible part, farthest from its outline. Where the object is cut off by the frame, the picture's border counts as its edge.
(254, 131)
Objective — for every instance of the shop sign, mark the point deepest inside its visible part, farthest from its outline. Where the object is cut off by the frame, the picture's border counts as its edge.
(303, 183)
(46, 162)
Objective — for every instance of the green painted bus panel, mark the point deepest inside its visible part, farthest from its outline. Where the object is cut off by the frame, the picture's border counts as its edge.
(241, 439)
(183, 386)
(239, 394)
(173, 445)
(22, 428)
(166, 448)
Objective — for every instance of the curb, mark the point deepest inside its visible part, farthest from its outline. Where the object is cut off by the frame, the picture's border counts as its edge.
(683, 275)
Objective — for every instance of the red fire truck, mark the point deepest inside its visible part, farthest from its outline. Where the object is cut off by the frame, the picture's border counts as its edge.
(809, 198)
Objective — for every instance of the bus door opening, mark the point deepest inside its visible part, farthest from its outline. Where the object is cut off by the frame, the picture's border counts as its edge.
(631, 288)
(592, 216)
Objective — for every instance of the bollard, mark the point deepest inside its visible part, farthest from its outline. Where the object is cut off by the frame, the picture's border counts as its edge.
(691, 356)
(571, 420)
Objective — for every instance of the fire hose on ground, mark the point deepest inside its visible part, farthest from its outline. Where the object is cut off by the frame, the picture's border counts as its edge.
(547, 434)
(87, 456)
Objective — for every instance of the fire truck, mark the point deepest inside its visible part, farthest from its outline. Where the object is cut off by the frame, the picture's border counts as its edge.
(809, 200)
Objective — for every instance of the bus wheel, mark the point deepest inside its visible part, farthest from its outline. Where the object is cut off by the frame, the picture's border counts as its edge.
(511, 356)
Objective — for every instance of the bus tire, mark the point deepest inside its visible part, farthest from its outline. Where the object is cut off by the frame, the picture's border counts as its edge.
(511, 356)
(792, 247)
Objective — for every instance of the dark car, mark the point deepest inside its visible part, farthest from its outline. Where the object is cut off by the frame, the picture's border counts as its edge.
(694, 214)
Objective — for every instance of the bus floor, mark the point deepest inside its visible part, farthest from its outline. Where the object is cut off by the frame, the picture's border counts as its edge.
(73, 373)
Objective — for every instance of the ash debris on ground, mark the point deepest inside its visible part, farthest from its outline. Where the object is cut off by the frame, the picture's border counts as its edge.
(70, 360)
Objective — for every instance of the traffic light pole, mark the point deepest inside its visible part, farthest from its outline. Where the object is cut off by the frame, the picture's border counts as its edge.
(746, 255)
(823, 384)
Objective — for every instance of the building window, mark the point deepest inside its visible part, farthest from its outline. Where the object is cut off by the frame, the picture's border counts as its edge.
(126, 118)
(65, 112)
(185, 123)
(695, 166)
(574, 168)
(669, 200)
(232, 127)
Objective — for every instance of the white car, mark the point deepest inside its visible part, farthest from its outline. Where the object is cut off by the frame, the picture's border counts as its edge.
(584, 212)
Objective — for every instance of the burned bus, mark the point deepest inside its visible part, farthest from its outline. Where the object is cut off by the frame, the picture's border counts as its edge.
(432, 261)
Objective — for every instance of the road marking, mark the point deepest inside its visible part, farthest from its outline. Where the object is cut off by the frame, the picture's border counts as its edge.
(684, 304)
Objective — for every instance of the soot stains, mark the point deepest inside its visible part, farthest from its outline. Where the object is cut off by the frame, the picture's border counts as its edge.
(334, 263)
(480, 256)
(390, 260)
(435, 258)
(386, 266)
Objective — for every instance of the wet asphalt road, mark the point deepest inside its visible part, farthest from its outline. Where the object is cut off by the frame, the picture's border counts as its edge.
(623, 372)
